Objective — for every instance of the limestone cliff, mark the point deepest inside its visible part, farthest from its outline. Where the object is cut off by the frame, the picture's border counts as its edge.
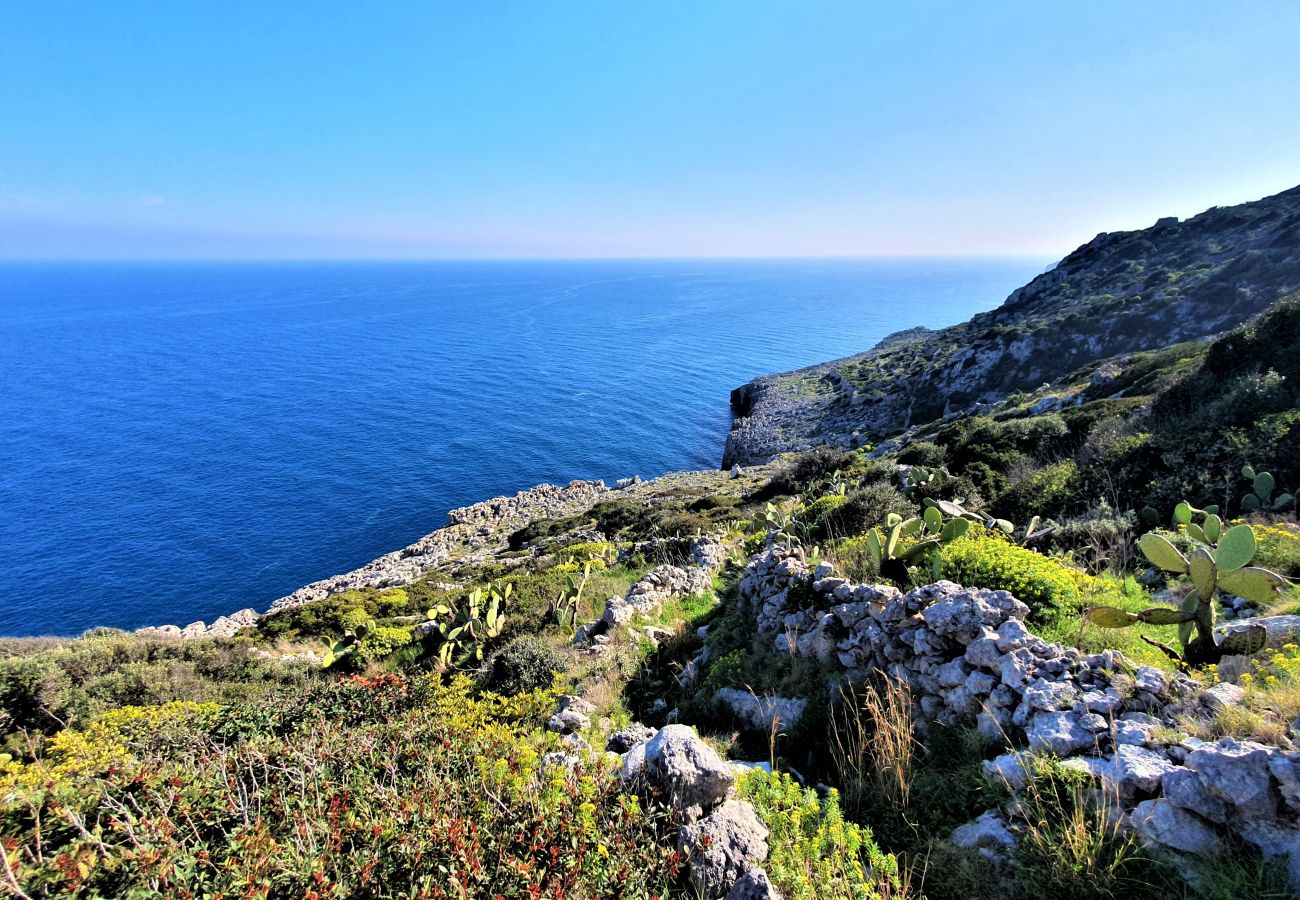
(1118, 293)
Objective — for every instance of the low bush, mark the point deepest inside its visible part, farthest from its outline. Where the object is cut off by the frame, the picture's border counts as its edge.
(987, 559)
(71, 683)
(430, 791)
(385, 640)
(864, 509)
(816, 514)
(923, 453)
(333, 615)
(809, 467)
(1277, 547)
(813, 852)
(527, 663)
(1050, 491)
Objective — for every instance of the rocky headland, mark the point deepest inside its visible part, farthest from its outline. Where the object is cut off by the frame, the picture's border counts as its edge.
(1121, 292)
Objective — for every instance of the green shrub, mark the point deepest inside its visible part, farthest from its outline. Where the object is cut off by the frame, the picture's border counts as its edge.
(813, 851)
(987, 559)
(1278, 547)
(923, 453)
(816, 514)
(812, 466)
(1048, 491)
(527, 663)
(385, 640)
(853, 559)
(333, 615)
(70, 683)
(865, 509)
(429, 790)
(726, 672)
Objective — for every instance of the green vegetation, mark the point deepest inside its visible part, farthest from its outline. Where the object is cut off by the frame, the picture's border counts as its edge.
(429, 790)
(1219, 562)
(988, 559)
(813, 851)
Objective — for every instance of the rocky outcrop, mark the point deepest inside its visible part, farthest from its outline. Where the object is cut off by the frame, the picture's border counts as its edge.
(467, 527)
(968, 659)
(723, 842)
(224, 626)
(723, 847)
(762, 713)
(1118, 293)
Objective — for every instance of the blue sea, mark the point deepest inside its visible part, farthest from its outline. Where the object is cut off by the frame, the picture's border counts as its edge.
(178, 441)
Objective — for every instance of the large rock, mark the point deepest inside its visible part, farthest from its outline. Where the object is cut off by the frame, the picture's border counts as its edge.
(753, 885)
(1062, 733)
(722, 847)
(1132, 771)
(1237, 772)
(760, 713)
(568, 721)
(987, 833)
(625, 740)
(686, 771)
(1160, 822)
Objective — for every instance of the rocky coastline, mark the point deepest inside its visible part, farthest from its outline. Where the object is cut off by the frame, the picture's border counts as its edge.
(1120, 293)
(469, 534)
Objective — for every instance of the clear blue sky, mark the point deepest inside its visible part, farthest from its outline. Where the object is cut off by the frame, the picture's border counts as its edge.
(318, 129)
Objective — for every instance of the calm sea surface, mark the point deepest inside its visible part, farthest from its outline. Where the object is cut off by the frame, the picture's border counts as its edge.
(178, 441)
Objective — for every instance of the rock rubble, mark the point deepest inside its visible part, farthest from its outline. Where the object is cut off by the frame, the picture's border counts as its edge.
(969, 660)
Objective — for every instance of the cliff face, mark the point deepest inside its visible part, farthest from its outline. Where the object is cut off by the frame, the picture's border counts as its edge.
(1119, 293)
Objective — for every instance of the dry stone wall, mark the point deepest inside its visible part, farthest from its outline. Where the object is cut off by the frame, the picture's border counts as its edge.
(969, 660)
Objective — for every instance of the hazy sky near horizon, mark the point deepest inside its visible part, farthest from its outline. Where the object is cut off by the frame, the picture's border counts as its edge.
(724, 128)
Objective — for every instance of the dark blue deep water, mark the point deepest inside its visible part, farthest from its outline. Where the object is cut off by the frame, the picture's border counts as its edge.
(178, 441)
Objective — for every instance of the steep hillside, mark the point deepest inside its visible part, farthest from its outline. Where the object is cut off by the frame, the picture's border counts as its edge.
(1119, 293)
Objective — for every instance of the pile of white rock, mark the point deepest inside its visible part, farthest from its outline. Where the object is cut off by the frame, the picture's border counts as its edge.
(652, 591)
(723, 841)
(969, 660)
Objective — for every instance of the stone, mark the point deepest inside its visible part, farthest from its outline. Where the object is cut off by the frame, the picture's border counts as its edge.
(1060, 732)
(986, 832)
(980, 683)
(1102, 702)
(1151, 680)
(983, 652)
(1050, 695)
(623, 741)
(1010, 769)
(953, 673)
(721, 848)
(1161, 822)
(1137, 734)
(760, 713)
(1285, 769)
(1014, 669)
(823, 570)
(688, 772)
(1183, 788)
(578, 704)
(633, 764)
(1238, 773)
(828, 585)
(1012, 635)
(568, 721)
(1133, 771)
(992, 726)
(753, 885)
(1222, 696)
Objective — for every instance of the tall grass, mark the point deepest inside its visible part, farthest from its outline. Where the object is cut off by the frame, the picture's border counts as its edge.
(872, 733)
